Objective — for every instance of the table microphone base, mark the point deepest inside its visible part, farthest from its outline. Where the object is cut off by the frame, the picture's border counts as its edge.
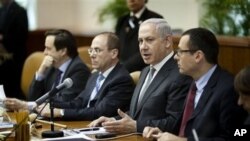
(52, 134)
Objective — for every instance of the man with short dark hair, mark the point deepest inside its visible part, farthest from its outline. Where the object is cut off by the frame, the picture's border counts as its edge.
(211, 112)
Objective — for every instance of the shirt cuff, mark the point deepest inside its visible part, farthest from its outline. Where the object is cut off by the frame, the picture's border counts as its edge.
(62, 112)
(31, 105)
(39, 77)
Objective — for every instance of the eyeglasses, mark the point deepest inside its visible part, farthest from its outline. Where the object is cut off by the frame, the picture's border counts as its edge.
(94, 50)
(180, 51)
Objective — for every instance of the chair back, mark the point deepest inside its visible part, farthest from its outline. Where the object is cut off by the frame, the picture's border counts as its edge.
(135, 75)
(31, 65)
(84, 55)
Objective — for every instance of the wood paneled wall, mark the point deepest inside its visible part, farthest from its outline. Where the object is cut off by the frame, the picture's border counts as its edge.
(234, 51)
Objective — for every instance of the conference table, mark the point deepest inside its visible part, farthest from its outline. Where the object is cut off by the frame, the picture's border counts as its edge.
(70, 125)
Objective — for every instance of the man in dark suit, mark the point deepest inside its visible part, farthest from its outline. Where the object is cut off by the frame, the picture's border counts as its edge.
(155, 102)
(13, 37)
(102, 97)
(61, 56)
(61, 61)
(215, 113)
(127, 30)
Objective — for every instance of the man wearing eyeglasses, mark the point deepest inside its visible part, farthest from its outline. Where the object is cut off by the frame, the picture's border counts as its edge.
(161, 90)
(214, 114)
(108, 89)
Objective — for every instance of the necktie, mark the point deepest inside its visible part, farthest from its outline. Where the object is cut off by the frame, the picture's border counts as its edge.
(189, 108)
(98, 82)
(97, 87)
(146, 84)
(133, 21)
(58, 77)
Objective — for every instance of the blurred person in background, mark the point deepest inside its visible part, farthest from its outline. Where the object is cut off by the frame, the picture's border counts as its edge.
(127, 30)
(13, 37)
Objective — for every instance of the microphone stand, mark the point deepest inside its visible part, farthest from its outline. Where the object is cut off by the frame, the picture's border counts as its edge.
(52, 133)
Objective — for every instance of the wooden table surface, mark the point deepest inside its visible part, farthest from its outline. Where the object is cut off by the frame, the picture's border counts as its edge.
(70, 125)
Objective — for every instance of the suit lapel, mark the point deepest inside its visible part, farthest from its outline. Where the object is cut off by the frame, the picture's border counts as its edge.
(156, 82)
(207, 93)
(106, 82)
(137, 90)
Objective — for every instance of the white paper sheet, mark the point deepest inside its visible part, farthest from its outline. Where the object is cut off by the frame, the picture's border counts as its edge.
(2, 93)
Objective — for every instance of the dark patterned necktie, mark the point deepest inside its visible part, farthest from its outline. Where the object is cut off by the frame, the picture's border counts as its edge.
(189, 108)
(58, 77)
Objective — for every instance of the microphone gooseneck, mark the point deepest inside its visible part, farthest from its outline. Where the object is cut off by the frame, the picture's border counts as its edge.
(67, 83)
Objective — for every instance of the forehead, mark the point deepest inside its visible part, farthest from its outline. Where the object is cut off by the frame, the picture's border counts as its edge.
(184, 42)
(99, 42)
(49, 41)
(147, 30)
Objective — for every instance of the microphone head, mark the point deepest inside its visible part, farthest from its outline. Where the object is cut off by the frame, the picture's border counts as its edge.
(68, 82)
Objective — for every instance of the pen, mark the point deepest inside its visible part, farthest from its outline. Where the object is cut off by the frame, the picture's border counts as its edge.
(89, 129)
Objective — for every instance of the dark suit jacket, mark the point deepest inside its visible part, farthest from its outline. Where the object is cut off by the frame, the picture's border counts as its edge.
(217, 113)
(115, 92)
(130, 55)
(77, 71)
(14, 28)
(163, 101)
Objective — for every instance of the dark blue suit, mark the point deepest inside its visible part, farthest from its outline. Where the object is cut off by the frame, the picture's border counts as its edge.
(163, 101)
(115, 92)
(77, 71)
(217, 114)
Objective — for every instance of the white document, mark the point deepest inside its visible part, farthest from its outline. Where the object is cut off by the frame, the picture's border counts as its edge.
(2, 93)
(76, 136)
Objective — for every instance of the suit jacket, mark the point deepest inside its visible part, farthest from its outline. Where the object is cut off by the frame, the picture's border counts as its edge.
(130, 55)
(163, 101)
(14, 28)
(77, 71)
(115, 92)
(217, 114)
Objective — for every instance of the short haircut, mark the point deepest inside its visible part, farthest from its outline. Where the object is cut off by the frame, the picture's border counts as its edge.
(204, 40)
(64, 39)
(113, 41)
(161, 25)
(242, 81)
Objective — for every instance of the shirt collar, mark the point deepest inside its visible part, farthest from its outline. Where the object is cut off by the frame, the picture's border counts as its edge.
(160, 64)
(202, 81)
(107, 72)
(139, 13)
(64, 66)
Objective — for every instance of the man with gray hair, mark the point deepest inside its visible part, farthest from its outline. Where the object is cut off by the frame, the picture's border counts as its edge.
(160, 92)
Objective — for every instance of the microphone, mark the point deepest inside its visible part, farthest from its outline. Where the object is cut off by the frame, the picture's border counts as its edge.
(67, 83)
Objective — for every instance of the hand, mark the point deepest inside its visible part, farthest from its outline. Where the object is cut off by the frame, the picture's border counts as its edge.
(99, 121)
(148, 132)
(47, 62)
(15, 104)
(168, 137)
(124, 125)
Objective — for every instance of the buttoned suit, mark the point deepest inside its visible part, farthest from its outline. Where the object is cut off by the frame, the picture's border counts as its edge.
(130, 55)
(115, 92)
(77, 71)
(163, 101)
(217, 114)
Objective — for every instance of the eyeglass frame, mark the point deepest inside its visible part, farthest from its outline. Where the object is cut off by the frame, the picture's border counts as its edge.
(94, 50)
(180, 51)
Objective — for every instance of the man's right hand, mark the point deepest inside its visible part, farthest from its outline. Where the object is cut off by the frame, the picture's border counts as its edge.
(99, 121)
(47, 62)
(15, 104)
